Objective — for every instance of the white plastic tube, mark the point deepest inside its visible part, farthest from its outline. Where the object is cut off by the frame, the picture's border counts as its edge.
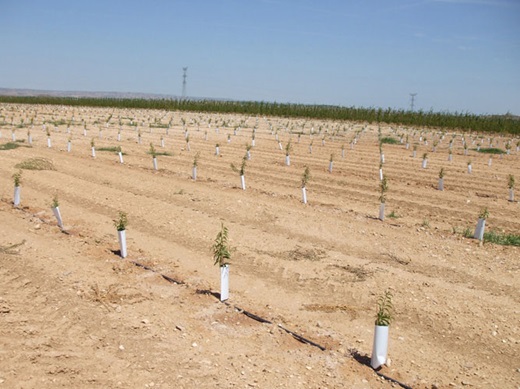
(17, 191)
(57, 215)
(380, 348)
(382, 211)
(224, 282)
(122, 242)
(479, 231)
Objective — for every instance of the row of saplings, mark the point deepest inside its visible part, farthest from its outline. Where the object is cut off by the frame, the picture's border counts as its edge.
(222, 255)
(383, 187)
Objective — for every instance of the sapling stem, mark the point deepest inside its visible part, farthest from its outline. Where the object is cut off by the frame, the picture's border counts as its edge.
(221, 257)
(120, 154)
(120, 224)
(425, 160)
(481, 224)
(241, 171)
(153, 153)
(55, 206)
(305, 179)
(383, 188)
(383, 318)
(194, 166)
(17, 178)
(441, 179)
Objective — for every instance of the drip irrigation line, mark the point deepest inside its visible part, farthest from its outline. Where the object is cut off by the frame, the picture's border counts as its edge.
(249, 314)
(173, 281)
(167, 278)
(393, 380)
(302, 339)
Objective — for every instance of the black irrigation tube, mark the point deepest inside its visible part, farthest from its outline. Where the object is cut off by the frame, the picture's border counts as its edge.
(167, 278)
(393, 380)
(240, 310)
(262, 320)
(253, 316)
(249, 314)
(301, 338)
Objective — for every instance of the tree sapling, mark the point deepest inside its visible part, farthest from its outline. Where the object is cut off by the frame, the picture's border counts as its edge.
(221, 257)
(305, 179)
(55, 206)
(17, 178)
(384, 316)
(120, 224)
(383, 188)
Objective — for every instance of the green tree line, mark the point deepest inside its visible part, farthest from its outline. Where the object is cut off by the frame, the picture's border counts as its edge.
(443, 120)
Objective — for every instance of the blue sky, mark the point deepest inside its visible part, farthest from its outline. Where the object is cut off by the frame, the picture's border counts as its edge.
(457, 55)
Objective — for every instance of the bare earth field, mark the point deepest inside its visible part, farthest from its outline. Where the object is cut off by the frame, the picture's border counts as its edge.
(73, 314)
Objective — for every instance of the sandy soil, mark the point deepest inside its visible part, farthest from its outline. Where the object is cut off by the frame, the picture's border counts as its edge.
(74, 314)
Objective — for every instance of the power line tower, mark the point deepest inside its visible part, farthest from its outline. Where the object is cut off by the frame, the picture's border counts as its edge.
(184, 75)
(412, 100)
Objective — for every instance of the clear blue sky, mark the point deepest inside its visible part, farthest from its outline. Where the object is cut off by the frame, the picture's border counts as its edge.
(458, 55)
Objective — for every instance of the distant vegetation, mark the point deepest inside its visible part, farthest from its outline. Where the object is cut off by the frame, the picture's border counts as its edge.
(389, 140)
(446, 120)
(10, 145)
(491, 150)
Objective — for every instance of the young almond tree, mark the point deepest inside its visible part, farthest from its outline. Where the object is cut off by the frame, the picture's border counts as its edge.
(153, 153)
(331, 162)
(120, 154)
(383, 188)
(17, 178)
(305, 179)
(481, 224)
(120, 224)
(248, 151)
(511, 186)
(441, 179)
(241, 171)
(55, 207)
(221, 257)
(384, 316)
(194, 166)
(288, 148)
